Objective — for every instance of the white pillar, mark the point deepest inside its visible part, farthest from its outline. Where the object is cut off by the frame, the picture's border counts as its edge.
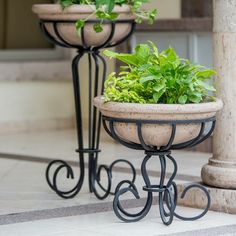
(221, 169)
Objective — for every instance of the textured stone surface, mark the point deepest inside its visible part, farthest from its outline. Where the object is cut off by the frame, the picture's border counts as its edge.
(224, 16)
(221, 170)
(156, 134)
(223, 200)
(68, 30)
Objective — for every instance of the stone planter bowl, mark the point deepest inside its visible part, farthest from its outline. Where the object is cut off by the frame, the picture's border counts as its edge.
(73, 13)
(158, 135)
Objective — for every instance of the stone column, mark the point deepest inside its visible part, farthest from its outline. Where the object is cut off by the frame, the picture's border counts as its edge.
(221, 169)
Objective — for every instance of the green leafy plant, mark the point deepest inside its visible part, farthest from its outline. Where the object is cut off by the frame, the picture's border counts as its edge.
(104, 11)
(153, 77)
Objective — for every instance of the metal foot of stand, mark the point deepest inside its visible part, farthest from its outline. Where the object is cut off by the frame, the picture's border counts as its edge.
(166, 190)
(51, 29)
(167, 193)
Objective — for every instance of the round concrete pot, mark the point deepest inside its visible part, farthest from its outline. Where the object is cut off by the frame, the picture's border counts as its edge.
(68, 30)
(155, 134)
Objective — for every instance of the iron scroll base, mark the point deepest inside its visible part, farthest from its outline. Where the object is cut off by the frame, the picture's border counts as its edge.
(96, 64)
(166, 189)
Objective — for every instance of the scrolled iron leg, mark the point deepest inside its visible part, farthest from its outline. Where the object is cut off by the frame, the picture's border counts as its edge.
(170, 196)
(208, 205)
(167, 194)
(124, 215)
(96, 178)
(52, 180)
(120, 212)
(167, 217)
(109, 169)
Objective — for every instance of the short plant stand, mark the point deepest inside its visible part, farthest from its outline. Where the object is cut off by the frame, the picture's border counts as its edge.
(165, 189)
(53, 30)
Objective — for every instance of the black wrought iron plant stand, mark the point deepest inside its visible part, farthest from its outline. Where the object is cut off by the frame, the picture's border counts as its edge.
(166, 190)
(95, 60)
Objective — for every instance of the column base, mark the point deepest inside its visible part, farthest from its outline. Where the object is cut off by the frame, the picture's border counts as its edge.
(222, 200)
(219, 174)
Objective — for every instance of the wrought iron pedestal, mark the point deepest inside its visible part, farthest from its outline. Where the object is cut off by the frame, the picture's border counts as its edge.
(95, 84)
(166, 190)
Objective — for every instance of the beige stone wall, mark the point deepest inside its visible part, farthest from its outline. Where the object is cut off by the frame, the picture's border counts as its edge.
(35, 105)
(35, 100)
(31, 92)
(167, 9)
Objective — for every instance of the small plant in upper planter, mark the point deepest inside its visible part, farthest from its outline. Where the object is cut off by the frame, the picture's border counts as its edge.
(95, 17)
(153, 77)
(104, 11)
(158, 86)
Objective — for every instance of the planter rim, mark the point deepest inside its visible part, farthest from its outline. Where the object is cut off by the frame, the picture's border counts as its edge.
(74, 9)
(159, 108)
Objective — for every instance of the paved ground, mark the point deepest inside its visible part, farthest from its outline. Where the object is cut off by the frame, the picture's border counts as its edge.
(29, 208)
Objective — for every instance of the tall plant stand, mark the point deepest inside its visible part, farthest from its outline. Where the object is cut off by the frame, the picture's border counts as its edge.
(95, 60)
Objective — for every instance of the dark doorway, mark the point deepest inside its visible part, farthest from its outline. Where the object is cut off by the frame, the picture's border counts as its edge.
(197, 8)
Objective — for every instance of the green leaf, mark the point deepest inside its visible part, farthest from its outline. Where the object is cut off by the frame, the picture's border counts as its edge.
(66, 3)
(170, 54)
(195, 99)
(151, 16)
(183, 99)
(106, 16)
(98, 28)
(113, 15)
(110, 5)
(147, 79)
(100, 3)
(159, 87)
(157, 95)
(79, 25)
(126, 58)
(205, 85)
(142, 52)
(205, 73)
(102, 15)
(170, 100)
(154, 48)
